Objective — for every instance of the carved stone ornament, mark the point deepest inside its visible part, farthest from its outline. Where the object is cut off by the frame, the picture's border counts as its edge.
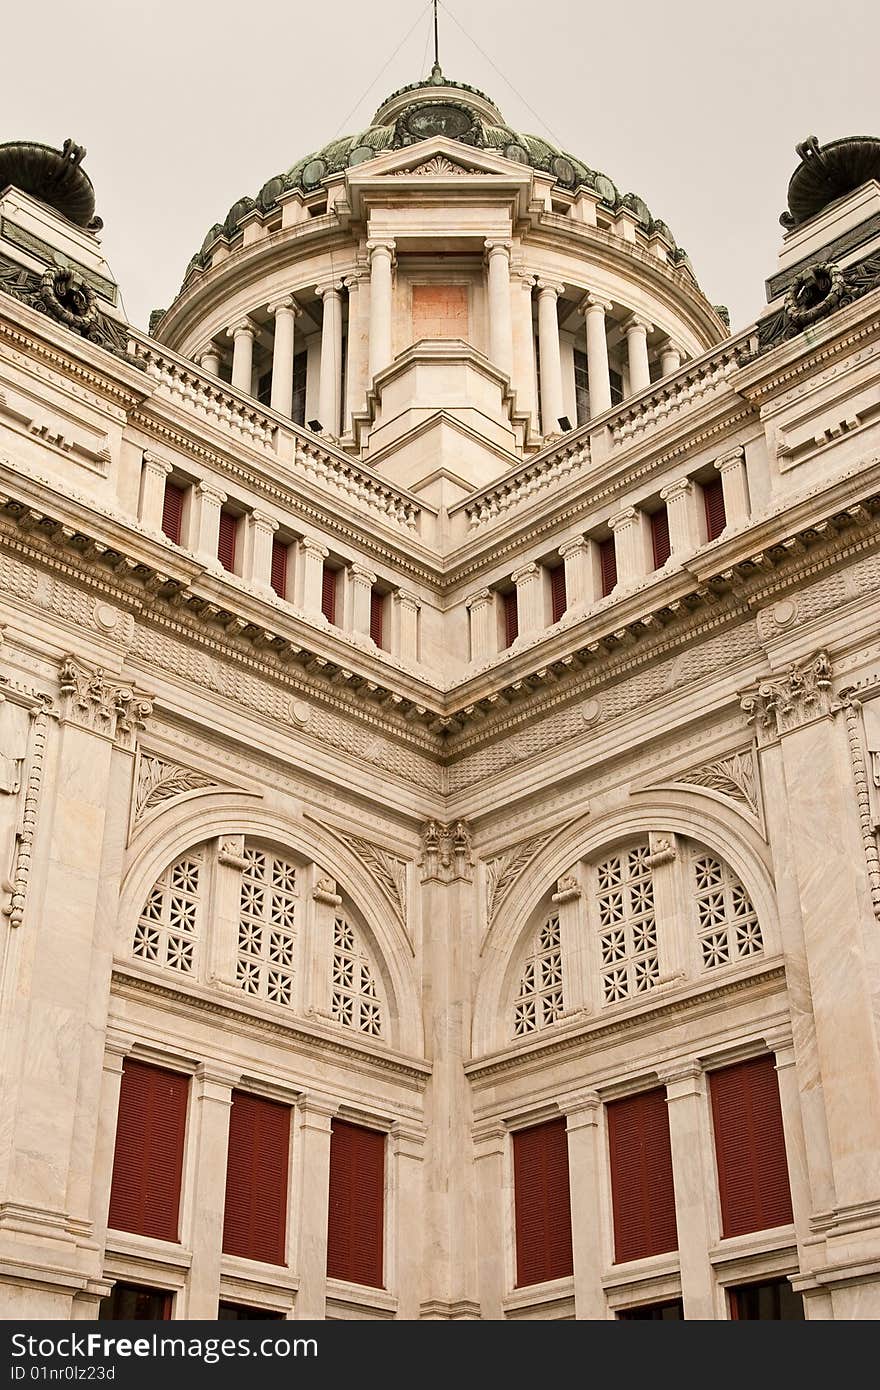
(814, 294)
(64, 295)
(16, 886)
(388, 870)
(158, 781)
(782, 703)
(325, 892)
(446, 850)
(504, 869)
(438, 168)
(732, 776)
(95, 701)
(853, 709)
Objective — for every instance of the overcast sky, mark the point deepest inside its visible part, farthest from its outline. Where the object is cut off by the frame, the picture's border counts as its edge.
(184, 106)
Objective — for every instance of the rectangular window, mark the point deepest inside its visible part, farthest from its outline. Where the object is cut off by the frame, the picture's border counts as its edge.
(772, 1301)
(255, 1213)
(713, 500)
(558, 597)
(298, 407)
(264, 388)
(511, 618)
(542, 1203)
(750, 1147)
(129, 1302)
(607, 565)
(328, 593)
(356, 1215)
(581, 387)
(439, 311)
(377, 615)
(642, 1193)
(280, 556)
(238, 1312)
(148, 1158)
(226, 539)
(172, 512)
(672, 1311)
(616, 387)
(660, 537)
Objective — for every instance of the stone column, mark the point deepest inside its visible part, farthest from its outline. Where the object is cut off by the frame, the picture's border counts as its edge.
(357, 346)
(683, 517)
(311, 1188)
(406, 1152)
(242, 335)
(529, 599)
(637, 330)
(115, 1052)
(311, 557)
(209, 500)
(327, 902)
(580, 573)
(154, 475)
(205, 1198)
(594, 311)
(732, 468)
(381, 261)
(484, 636)
(552, 407)
(670, 358)
(500, 320)
(361, 583)
(330, 387)
(494, 1208)
(795, 1145)
(285, 312)
(258, 564)
(210, 360)
(694, 1180)
(408, 607)
(524, 378)
(583, 1112)
(629, 545)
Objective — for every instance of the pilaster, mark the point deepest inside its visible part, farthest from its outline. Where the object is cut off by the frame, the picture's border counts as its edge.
(154, 475)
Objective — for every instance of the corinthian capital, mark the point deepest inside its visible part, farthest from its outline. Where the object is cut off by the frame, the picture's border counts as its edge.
(779, 704)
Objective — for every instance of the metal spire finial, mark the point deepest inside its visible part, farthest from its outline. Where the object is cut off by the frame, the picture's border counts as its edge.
(436, 40)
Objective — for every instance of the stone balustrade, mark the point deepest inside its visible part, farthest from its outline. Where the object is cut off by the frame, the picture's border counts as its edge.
(210, 398)
(358, 485)
(524, 483)
(674, 394)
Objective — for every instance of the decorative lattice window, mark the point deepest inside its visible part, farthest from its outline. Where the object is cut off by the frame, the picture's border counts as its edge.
(627, 925)
(267, 927)
(540, 999)
(727, 924)
(355, 999)
(167, 929)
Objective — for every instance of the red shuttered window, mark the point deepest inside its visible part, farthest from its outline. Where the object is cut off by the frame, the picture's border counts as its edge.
(542, 1203)
(328, 594)
(558, 596)
(608, 565)
(280, 553)
(660, 537)
(226, 539)
(255, 1214)
(642, 1194)
(148, 1159)
(356, 1214)
(172, 512)
(750, 1147)
(377, 615)
(511, 618)
(713, 500)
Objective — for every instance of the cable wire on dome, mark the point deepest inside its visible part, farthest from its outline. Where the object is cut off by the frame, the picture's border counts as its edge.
(385, 66)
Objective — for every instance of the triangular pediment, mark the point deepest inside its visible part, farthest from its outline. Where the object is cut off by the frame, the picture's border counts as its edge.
(440, 158)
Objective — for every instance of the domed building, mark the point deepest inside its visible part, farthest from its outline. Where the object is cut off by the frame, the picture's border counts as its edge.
(440, 748)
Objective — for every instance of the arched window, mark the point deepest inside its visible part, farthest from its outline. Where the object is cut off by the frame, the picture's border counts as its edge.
(624, 893)
(727, 923)
(268, 919)
(540, 1000)
(355, 999)
(167, 930)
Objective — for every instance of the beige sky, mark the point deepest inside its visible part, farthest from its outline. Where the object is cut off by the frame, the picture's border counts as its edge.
(184, 106)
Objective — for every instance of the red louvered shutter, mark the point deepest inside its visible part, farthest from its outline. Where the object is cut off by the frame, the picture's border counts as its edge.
(255, 1214)
(377, 613)
(172, 512)
(660, 537)
(642, 1193)
(750, 1147)
(226, 540)
(511, 618)
(356, 1211)
(328, 594)
(280, 552)
(558, 596)
(542, 1203)
(716, 517)
(608, 565)
(148, 1158)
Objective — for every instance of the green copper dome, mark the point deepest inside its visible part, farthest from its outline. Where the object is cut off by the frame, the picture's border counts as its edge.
(435, 106)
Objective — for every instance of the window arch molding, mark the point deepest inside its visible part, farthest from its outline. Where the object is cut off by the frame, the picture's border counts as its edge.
(183, 827)
(719, 829)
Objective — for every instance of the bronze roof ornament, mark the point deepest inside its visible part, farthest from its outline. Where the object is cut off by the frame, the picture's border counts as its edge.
(54, 177)
(828, 172)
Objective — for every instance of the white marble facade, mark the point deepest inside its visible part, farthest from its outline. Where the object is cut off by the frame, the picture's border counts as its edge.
(447, 794)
